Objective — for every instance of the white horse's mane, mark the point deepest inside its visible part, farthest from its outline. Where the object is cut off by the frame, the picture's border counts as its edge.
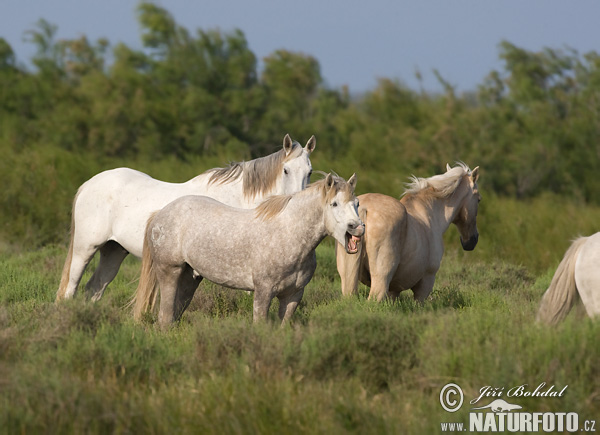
(442, 185)
(259, 175)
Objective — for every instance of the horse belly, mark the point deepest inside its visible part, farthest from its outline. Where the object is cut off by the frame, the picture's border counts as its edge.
(218, 249)
(407, 276)
(233, 276)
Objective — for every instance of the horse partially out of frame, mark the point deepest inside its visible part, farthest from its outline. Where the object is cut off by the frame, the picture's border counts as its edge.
(578, 274)
(110, 211)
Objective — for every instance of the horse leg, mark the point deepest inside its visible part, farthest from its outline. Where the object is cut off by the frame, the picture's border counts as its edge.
(424, 287)
(380, 285)
(382, 273)
(394, 292)
(348, 266)
(383, 263)
(288, 305)
(168, 278)
(111, 256)
(188, 283)
(261, 305)
(80, 259)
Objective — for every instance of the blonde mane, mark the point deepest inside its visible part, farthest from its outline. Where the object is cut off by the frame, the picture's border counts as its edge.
(259, 175)
(438, 186)
(274, 205)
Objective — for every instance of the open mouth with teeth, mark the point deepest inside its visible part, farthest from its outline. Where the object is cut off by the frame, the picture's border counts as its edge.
(352, 243)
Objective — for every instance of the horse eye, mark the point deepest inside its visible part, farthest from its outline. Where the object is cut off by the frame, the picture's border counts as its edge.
(310, 173)
(285, 171)
(334, 204)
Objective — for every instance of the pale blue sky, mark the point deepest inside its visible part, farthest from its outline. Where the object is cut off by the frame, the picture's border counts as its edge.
(354, 41)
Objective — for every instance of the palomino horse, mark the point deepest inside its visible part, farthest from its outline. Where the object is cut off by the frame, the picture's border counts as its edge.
(110, 211)
(578, 272)
(269, 250)
(403, 245)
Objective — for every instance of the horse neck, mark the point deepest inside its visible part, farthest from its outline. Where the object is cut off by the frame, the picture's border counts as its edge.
(453, 204)
(438, 213)
(304, 214)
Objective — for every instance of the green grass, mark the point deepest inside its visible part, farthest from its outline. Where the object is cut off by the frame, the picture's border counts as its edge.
(342, 366)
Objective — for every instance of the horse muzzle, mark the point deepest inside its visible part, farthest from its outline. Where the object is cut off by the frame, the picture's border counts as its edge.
(357, 230)
(354, 238)
(470, 244)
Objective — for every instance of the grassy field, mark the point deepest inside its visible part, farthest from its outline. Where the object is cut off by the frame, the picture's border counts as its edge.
(344, 365)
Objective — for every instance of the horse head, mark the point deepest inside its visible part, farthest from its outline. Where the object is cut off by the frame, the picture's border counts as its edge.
(341, 212)
(296, 169)
(466, 218)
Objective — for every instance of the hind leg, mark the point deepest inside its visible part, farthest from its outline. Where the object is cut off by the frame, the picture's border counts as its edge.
(177, 287)
(80, 259)
(186, 287)
(288, 305)
(382, 263)
(423, 288)
(111, 256)
(167, 278)
(394, 290)
(383, 266)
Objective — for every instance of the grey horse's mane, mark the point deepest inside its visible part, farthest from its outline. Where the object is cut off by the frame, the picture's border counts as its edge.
(438, 186)
(274, 205)
(259, 175)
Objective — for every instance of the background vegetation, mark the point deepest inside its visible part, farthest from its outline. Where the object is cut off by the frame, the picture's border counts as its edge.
(189, 101)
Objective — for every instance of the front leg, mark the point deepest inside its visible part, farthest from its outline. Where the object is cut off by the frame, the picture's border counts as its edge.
(288, 305)
(424, 287)
(261, 305)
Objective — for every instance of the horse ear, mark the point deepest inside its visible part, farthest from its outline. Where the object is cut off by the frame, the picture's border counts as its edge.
(311, 144)
(352, 181)
(475, 174)
(329, 181)
(287, 144)
(448, 167)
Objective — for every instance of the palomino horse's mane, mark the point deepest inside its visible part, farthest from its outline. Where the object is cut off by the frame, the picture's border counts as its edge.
(259, 175)
(274, 205)
(438, 186)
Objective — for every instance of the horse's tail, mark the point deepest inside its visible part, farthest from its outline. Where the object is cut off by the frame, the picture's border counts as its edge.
(146, 294)
(560, 296)
(66, 273)
(350, 265)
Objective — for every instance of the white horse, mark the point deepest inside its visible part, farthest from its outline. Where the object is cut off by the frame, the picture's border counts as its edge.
(110, 211)
(577, 273)
(269, 250)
